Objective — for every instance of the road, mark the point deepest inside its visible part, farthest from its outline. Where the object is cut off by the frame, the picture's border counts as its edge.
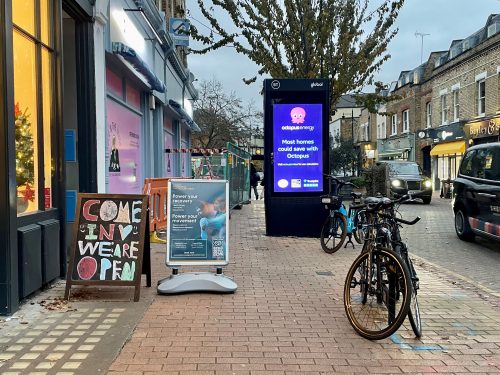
(434, 239)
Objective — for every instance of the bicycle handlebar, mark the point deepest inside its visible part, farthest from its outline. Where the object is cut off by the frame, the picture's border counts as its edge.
(413, 222)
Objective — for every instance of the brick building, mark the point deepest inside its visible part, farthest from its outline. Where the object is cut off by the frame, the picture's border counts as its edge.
(448, 103)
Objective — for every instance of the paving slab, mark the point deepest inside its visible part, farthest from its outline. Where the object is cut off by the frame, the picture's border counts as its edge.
(287, 317)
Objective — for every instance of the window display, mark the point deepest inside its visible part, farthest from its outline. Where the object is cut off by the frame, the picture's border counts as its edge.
(33, 80)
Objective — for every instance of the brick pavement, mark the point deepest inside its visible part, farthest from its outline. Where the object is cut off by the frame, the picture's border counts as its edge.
(285, 318)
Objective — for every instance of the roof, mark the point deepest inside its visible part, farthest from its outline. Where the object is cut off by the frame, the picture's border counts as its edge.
(347, 101)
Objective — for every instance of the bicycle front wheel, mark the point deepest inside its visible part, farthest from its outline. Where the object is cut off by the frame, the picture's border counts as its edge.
(333, 233)
(414, 315)
(377, 293)
(360, 220)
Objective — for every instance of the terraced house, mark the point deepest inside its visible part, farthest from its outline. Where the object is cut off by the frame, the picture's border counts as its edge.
(448, 103)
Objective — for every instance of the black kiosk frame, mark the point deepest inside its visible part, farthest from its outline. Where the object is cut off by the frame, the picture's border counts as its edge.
(296, 146)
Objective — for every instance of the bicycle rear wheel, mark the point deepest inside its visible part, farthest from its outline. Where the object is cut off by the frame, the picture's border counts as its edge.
(333, 233)
(377, 305)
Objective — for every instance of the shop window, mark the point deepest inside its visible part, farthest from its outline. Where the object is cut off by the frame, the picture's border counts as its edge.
(481, 97)
(406, 121)
(428, 111)
(133, 97)
(169, 157)
(33, 62)
(114, 83)
(456, 106)
(23, 15)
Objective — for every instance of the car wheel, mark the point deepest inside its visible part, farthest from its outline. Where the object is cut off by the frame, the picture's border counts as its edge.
(426, 200)
(462, 227)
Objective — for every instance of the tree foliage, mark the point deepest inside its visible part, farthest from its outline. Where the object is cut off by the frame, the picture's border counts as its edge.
(343, 156)
(343, 40)
(223, 118)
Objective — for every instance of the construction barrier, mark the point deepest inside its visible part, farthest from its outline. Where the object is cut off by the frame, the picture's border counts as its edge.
(157, 190)
(237, 172)
(232, 164)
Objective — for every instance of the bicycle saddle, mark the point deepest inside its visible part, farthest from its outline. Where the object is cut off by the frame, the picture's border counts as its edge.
(378, 201)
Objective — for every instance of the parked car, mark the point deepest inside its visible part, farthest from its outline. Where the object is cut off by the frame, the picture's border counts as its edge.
(407, 177)
(476, 193)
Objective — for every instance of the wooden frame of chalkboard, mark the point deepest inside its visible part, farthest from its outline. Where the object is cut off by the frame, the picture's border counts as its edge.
(94, 232)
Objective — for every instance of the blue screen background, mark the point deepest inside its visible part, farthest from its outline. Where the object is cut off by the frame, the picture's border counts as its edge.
(297, 148)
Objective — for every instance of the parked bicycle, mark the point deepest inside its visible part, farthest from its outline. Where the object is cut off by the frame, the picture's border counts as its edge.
(381, 284)
(340, 223)
(400, 248)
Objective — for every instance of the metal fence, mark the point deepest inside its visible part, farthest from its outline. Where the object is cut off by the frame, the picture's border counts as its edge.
(232, 165)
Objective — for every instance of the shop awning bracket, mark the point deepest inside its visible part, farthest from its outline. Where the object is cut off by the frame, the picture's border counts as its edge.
(131, 56)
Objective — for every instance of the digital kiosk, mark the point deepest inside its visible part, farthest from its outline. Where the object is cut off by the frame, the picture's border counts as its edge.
(296, 118)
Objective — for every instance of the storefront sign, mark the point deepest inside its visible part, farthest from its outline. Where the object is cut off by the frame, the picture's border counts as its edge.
(109, 238)
(297, 146)
(179, 30)
(197, 222)
(486, 128)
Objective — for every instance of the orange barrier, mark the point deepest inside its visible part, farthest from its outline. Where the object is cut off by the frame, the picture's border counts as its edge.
(157, 190)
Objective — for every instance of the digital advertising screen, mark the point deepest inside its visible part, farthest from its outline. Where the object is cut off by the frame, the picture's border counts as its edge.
(297, 148)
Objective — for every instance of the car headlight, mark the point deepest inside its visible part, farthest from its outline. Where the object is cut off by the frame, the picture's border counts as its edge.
(396, 183)
(428, 183)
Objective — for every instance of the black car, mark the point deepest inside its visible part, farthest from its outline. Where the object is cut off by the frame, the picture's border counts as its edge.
(476, 193)
(407, 177)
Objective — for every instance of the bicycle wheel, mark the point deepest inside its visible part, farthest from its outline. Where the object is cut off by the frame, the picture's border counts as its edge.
(376, 306)
(414, 314)
(333, 233)
(359, 229)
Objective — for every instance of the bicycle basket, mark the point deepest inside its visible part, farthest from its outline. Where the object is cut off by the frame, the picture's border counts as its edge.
(331, 202)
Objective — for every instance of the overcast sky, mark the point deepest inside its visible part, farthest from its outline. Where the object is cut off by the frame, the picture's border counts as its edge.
(444, 20)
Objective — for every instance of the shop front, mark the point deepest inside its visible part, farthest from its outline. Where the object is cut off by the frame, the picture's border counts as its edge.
(449, 147)
(32, 156)
(367, 154)
(398, 148)
(484, 131)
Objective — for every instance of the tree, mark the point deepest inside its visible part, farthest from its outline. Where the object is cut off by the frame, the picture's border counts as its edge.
(343, 155)
(24, 148)
(222, 118)
(342, 40)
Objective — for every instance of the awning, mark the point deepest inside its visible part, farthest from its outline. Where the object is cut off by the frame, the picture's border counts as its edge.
(131, 56)
(394, 152)
(457, 147)
(184, 116)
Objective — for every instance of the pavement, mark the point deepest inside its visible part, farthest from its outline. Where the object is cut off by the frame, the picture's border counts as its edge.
(287, 317)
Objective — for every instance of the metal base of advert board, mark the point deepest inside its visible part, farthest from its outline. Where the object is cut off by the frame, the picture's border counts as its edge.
(196, 282)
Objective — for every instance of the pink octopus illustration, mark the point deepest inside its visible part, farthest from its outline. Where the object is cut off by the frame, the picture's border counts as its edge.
(298, 115)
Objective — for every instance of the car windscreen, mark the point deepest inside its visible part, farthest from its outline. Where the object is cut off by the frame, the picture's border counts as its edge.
(403, 168)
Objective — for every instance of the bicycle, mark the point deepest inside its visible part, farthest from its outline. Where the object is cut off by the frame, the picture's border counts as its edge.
(340, 223)
(377, 291)
(400, 247)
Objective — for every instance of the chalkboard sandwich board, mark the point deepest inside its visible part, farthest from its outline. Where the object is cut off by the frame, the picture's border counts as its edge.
(109, 237)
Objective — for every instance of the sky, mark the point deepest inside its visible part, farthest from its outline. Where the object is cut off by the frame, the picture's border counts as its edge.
(444, 20)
